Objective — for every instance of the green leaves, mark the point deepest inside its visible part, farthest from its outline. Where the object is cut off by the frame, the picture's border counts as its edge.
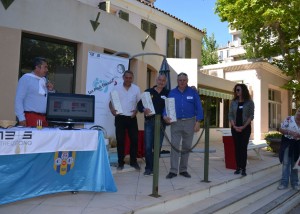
(270, 28)
(209, 50)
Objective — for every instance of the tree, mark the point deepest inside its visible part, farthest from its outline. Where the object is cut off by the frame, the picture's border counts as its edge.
(270, 30)
(209, 50)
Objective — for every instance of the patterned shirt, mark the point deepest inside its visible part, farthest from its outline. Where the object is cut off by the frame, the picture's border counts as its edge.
(290, 124)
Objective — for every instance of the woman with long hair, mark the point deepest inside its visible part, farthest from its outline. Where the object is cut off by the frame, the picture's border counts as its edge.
(241, 113)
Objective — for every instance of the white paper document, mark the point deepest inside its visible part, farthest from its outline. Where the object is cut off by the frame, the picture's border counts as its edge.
(170, 108)
(147, 102)
(115, 100)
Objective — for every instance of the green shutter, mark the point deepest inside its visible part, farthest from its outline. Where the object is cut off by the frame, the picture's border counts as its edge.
(144, 25)
(123, 15)
(153, 31)
(170, 44)
(188, 48)
(102, 6)
(149, 28)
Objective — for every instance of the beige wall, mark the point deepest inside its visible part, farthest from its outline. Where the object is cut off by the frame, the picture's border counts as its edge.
(10, 43)
(65, 20)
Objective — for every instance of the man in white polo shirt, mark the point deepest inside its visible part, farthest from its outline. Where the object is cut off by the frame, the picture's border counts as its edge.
(129, 95)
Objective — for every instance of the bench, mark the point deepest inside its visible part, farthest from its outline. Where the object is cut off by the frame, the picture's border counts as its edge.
(256, 146)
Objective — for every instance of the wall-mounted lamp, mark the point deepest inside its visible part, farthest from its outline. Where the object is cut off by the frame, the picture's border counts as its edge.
(144, 42)
(6, 3)
(95, 23)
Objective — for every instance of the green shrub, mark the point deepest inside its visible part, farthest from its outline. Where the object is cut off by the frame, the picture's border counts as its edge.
(273, 134)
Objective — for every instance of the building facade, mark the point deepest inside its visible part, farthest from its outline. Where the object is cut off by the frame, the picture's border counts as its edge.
(64, 31)
(264, 81)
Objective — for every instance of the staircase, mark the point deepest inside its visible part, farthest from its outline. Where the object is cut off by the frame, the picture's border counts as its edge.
(256, 193)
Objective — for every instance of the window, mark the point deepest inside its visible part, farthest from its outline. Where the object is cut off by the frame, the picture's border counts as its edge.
(60, 55)
(176, 48)
(104, 6)
(221, 55)
(214, 109)
(274, 107)
(170, 44)
(123, 15)
(227, 53)
(151, 77)
(149, 28)
(188, 48)
(149, 74)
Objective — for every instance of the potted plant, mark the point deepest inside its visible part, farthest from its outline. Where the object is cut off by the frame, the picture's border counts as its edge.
(273, 139)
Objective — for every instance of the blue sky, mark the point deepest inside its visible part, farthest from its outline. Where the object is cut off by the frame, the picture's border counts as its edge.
(199, 13)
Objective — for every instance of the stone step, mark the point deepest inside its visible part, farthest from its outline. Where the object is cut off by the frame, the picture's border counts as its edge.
(259, 196)
(235, 198)
(284, 201)
(265, 203)
(224, 197)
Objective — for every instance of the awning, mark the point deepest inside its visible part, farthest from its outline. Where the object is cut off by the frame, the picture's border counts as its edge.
(217, 94)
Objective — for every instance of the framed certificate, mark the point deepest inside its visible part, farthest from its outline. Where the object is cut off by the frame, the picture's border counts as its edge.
(170, 108)
(115, 100)
(147, 102)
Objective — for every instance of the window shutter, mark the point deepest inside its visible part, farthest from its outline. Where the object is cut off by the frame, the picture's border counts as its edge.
(170, 44)
(144, 25)
(188, 48)
(153, 30)
(149, 28)
(123, 15)
(102, 6)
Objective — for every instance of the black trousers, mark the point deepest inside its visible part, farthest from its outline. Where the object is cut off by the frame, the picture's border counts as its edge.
(241, 140)
(123, 123)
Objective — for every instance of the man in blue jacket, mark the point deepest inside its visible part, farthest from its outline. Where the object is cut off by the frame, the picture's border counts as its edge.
(189, 113)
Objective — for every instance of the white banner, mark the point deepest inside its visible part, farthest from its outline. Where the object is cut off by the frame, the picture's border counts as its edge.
(31, 140)
(104, 72)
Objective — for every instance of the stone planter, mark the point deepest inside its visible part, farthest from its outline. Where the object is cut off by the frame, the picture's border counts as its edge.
(274, 144)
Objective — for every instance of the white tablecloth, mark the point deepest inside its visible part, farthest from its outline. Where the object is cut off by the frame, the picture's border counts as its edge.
(32, 140)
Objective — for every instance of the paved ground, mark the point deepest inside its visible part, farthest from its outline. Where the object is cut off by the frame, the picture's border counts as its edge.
(134, 188)
(295, 210)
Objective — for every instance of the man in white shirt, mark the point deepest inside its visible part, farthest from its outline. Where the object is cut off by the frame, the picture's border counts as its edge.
(129, 95)
(31, 96)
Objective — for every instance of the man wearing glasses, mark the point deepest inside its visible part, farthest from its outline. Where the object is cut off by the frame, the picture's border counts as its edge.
(189, 113)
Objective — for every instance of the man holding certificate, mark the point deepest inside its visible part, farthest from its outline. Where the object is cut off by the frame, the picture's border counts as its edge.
(189, 113)
(123, 106)
(152, 98)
